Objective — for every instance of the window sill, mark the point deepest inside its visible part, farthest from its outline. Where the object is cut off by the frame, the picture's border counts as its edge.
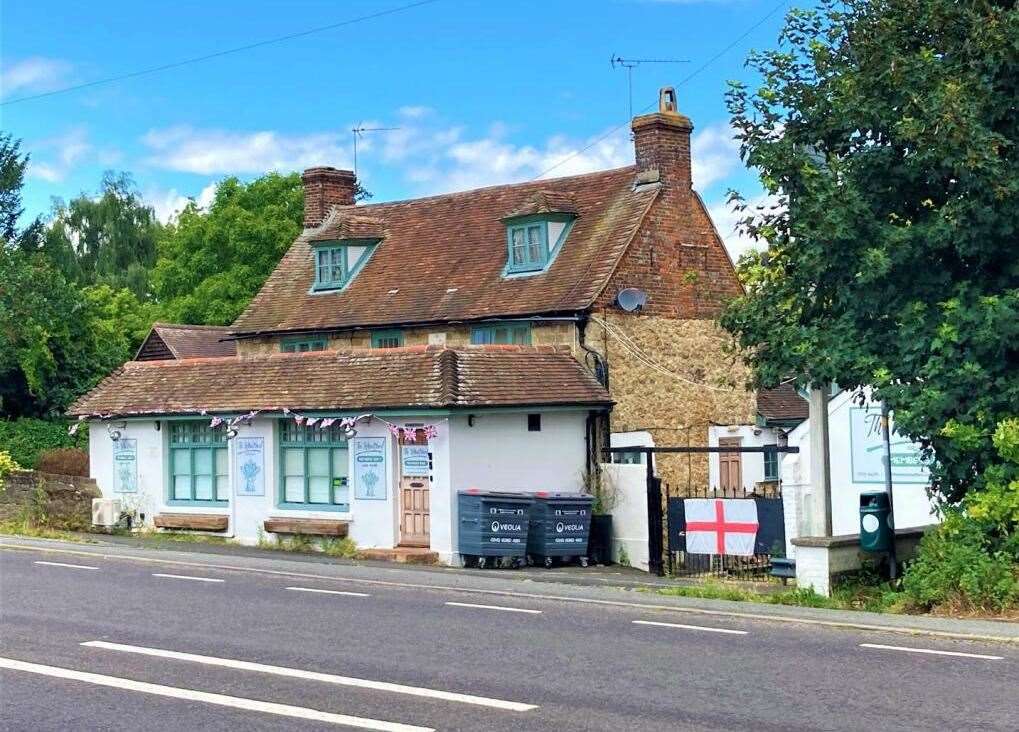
(331, 508)
(197, 504)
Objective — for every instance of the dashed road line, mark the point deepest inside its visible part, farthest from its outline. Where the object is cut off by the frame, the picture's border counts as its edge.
(316, 676)
(329, 592)
(186, 577)
(222, 700)
(70, 566)
(930, 651)
(690, 627)
(495, 607)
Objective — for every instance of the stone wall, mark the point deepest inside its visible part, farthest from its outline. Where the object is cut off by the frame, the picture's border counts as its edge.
(556, 333)
(701, 382)
(57, 501)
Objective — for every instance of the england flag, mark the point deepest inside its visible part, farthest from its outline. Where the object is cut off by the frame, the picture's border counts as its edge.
(721, 526)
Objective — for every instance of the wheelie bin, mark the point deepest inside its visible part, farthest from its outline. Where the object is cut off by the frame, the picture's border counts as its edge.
(560, 528)
(492, 526)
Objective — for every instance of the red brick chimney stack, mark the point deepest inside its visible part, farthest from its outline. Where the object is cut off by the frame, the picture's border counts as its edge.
(662, 142)
(324, 188)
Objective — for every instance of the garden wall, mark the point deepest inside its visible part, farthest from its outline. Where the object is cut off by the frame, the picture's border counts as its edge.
(56, 501)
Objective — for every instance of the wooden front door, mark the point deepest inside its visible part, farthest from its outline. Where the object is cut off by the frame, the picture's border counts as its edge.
(415, 495)
(730, 465)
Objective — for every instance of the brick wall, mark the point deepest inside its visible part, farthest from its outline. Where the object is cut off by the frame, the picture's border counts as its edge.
(65, 501)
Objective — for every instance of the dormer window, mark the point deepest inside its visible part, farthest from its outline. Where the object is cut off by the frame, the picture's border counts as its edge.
(535, 232)
(337, 263)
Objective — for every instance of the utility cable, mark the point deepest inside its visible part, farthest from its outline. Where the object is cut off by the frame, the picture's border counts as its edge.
(217, 54)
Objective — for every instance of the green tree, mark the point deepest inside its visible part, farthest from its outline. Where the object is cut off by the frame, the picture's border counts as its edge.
(12, 178)
(110, 239)
(888, 131)
(211, 263)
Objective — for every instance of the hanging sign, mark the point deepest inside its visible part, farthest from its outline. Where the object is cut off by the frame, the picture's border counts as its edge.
(414, 461)
(867, 451)
(249, 466)
(125, 465)
(369, 468)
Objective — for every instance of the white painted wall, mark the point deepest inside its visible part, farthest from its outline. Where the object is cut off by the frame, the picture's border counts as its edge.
(498, 453)
(912, 506)
(148, 500)
(629, 515)
(752, 463)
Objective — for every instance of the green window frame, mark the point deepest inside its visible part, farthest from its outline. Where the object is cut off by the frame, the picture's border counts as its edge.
(510, 333)
(303, 344)
(313, 468)
(528, 246)
(331, 270)
(770, 463)
(198, 467)
(387, 338)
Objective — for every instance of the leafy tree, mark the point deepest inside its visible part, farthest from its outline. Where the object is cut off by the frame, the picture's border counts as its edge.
(106, 240)
(12, 178)
(887, 130)
(211, 263)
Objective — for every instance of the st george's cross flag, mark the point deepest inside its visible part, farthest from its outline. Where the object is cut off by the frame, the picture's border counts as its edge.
(721, 526)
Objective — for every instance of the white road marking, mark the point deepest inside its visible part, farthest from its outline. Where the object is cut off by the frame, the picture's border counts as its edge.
(773, 617)
(329, 592)
(235, 702)
(932, 652)
(495, 607)
(72, 566)
(316, 676)
(691, 627)
(187, 577)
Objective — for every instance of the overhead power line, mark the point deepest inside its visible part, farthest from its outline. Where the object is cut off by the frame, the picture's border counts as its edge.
(217, 54)
(684, 80)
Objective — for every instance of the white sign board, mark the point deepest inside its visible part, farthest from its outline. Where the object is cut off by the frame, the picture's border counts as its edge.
(125, 465)
(369, 468)
(867, 451)
(249, 466)
(414, 461)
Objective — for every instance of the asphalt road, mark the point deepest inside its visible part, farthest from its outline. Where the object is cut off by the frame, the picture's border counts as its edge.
(246, 651)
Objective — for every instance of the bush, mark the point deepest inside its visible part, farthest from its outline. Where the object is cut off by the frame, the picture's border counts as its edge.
(26, 438)
(63, 461)
(7, 466)
(958, 567)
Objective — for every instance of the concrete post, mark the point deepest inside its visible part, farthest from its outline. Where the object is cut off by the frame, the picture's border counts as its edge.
(820, 460)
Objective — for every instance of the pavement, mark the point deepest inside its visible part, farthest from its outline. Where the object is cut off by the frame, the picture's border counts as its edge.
(121, 637)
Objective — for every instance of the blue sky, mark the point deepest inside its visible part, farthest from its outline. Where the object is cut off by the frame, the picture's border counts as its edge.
(483, 92)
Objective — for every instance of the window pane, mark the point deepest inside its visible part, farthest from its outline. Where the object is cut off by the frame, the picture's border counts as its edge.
(293, 462)
(181, 462)
(293, 489)
(500, 335)
(481, 336)
(318, 489)
(203, 462)
(341, 493)
(517, 246)
(222, 475)
(203, 487)
(534, 247)
(182, 487)
(521, 335)
(318, 462)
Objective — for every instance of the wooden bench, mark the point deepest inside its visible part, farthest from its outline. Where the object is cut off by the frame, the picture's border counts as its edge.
(191, 521)
(784, 568)
(311, 527)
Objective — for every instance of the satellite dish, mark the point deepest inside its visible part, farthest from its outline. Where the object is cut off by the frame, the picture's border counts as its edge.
(631, 299)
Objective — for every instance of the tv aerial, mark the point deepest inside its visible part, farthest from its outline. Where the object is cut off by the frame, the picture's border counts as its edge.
(359, 132)
(631, 63)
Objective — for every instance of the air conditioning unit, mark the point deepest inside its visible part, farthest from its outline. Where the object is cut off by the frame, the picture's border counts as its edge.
(105, 512)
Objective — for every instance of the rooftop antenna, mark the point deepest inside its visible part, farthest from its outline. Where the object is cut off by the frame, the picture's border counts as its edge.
(630, 63)
(359, 132)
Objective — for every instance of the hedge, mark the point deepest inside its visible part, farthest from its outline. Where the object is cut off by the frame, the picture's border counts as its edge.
(26, 438)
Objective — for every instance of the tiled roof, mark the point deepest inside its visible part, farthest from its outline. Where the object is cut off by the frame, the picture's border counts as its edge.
(419, 376)
(348, 223)
(186, 341)
(781, 403)
(442, 259)
(545, 202)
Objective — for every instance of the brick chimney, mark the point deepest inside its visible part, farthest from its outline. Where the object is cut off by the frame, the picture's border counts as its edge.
(662, 143)
(324, 188)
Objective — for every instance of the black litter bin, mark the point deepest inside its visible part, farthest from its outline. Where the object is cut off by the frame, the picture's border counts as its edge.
(560, 528)
(492, 525)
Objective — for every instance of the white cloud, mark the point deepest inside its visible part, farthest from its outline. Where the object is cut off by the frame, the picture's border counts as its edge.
(53, 158)
(34, 74)
(415, 111)
(726, 221)
(167, 204)
(715, 154)
(212, 152)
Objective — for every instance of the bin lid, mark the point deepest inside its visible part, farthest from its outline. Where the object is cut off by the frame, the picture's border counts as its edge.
(874, 499)
(496, 494)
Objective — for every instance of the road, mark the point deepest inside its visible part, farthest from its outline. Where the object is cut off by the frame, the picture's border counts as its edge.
(106, 643)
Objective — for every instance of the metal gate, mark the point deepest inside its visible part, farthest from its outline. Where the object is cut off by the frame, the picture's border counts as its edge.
(679, 561)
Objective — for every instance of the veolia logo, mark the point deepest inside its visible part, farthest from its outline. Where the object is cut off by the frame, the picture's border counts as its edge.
(497, 527)
(559, 527)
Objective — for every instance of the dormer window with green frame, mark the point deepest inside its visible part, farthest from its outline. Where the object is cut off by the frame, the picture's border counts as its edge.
(535, 233)
(336, 263)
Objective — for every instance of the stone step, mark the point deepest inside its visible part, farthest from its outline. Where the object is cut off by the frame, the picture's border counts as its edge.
(401, 555)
